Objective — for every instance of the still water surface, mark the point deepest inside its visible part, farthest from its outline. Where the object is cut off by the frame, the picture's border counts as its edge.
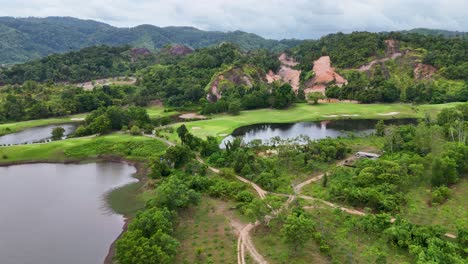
(35, 134)
(313, 130)
(56, 213)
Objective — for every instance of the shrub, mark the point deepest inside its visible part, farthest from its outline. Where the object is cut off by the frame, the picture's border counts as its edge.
(440, 194)
(135, 130)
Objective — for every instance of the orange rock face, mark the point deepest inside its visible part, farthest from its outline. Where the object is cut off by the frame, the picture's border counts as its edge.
(324, 74)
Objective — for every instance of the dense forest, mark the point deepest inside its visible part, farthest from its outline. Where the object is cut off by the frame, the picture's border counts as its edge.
(24, 39)
(407, 67)
(79, 66)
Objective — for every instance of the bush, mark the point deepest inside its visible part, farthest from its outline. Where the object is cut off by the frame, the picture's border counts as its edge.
(135, 130)
(57, 133)
(440, 194)
(234, 108)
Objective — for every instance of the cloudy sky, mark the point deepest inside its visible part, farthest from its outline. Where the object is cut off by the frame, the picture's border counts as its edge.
(273, 18)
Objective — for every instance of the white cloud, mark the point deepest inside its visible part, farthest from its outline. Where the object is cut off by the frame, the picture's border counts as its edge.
(273, 18)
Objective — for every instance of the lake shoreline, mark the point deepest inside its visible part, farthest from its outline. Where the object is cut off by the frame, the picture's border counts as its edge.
(141, 171)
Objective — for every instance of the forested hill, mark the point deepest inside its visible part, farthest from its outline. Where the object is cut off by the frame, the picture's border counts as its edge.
(23, 39)
(437, 32)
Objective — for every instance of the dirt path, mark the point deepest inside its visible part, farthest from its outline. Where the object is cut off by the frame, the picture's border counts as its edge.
(245, 242)
(298, 187)
(167, 142)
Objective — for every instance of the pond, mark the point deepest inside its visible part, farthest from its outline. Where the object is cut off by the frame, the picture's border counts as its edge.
(35, 134)
(313, 130)
(57, 213)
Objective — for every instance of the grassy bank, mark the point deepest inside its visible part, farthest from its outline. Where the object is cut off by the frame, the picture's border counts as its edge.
(125, 146)
(220, 125)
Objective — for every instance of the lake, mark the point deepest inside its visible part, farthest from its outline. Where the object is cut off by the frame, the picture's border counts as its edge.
(313, 130)
(57, 213)
(35, 134)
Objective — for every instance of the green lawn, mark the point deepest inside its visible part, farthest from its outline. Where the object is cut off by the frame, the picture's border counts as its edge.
(220, 125)
(153, 112)
(451, 213)
(158, 111)
(127, 146)
(18, 126)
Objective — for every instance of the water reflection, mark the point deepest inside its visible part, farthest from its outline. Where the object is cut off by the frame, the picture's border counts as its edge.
(56, 213)
(313, 130)
(35, 134)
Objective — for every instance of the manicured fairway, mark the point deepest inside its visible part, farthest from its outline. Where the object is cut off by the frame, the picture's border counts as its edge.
(153, 112)
(158, 111)
(225, 124)
(126, 146)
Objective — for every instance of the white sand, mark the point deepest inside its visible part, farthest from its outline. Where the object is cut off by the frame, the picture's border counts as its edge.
(388, 114)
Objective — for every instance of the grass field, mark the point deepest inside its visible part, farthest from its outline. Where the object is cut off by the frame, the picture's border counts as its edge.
(126, 146)
(449, 214)
(18, 126)
(205, 234)
(153, 112)
(347, 243)
(220, 125)
(158, 111)
(275, 250)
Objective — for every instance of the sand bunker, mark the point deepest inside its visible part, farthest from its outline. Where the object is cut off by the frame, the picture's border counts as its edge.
(77, 119)
(196, 128)
(388, 114)
(192, 116)
(343, 115)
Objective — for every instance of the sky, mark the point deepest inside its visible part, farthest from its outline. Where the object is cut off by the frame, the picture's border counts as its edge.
(275, 19)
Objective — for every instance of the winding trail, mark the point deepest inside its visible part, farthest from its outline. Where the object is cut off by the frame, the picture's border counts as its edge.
(244, 241)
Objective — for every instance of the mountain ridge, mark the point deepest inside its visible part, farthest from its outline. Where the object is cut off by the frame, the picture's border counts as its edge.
(24, 39)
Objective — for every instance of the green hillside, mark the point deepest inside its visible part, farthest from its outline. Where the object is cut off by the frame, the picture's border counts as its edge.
(23, 39)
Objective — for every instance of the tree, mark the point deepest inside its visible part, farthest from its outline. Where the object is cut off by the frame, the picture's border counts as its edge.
(134, 248)
(297, 230)
(300, 95)
(57, 133)
(151, 220)
(380, 128)
(178, 155)
(100, 125)
(160, 168)
(234, 107)
(209, 146)
(181, 132)
(283, 96)
(325, 180)
(315, 97)
(444, 171)
(135, 130)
